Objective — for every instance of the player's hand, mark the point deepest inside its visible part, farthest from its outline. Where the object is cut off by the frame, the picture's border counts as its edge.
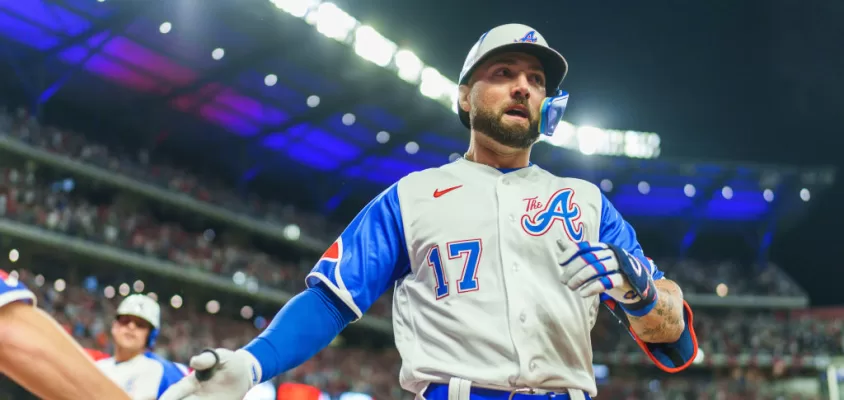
(594, 268)
(218, 375)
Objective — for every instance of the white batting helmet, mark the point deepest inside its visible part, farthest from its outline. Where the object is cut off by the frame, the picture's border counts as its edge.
(145, 308)
(515, 38)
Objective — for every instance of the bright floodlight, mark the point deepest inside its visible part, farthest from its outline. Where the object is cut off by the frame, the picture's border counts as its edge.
(433, 85)
(727, 192)
(292, 232)
(409, 65)
(176, 301)
(805, 195)
(123, 289)
(606, 185)
(296, 8)
(411, 147)
(59, 285)
(768, 194)
(454, 157)
(372, 46)
(165, 27)
(331, 21)
(644, 187)
(14, 255)
(218, 53)
(382, 137)
(349, 119)
(313, 101)
(589, 139)
(270, 80)
(689, 190)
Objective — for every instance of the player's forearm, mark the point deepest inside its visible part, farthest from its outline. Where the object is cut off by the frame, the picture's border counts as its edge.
(304, 326)
(40, 356)
(664, 323)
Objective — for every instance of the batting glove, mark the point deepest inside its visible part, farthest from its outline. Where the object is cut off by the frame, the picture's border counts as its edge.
(595, 268)
(218, 375)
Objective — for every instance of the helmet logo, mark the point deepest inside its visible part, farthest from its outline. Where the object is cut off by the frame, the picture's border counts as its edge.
(529, 37)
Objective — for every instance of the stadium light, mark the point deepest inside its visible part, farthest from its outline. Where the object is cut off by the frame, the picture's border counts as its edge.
(411, 147)
(108, 292)
(292, 232)
(689, 190)
(313, 101)
(14, 255)
(270, 80)
(436, 86)
(805, 195)
(218, 53)
(727, 192)
(138, 286)
(370, 45)
(349, 119)
(409, 66)
(644, 187)
(176, 301)
(382, 137)
(296, 8)
(246, 312)
(768, 195)
(59, 285)
(331, 21)
(239, 278)
(123, 289)
(165, 27)
(213, 307)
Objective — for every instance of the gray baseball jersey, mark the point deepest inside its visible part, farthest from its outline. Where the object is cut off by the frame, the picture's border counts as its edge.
(472, 253)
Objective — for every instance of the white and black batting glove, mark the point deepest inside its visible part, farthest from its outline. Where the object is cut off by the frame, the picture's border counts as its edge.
(219, 374)
(595, 268)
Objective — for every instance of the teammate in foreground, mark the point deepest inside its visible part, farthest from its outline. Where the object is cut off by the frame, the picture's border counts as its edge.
(139, 371)
(499, 266)
(39, 355)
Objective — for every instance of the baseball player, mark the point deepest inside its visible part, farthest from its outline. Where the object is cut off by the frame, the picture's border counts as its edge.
(498, 265)
(39, 355)
(139, 371)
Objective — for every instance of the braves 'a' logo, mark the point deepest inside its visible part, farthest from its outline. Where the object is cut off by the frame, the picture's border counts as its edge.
(560, 207)
(529, 37)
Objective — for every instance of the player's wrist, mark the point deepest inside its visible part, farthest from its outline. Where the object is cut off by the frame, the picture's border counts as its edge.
(640, 308)
(254, 366)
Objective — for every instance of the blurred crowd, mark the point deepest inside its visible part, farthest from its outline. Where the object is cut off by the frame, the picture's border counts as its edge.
(136, 229)
(86, 313)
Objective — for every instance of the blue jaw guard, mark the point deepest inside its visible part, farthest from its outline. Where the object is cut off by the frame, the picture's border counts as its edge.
(551, 112)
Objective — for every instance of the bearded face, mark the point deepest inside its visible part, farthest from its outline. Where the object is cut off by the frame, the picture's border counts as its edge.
(504, 97)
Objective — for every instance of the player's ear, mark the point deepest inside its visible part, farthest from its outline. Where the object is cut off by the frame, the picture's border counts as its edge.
(463, 98)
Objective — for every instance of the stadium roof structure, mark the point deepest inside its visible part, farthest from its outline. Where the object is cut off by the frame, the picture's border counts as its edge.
(270, 86)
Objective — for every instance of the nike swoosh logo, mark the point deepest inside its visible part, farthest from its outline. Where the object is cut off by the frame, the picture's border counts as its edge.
(438, 192)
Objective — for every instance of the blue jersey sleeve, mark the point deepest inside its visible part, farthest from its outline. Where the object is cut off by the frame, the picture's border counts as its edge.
(615, 230)
(368, 257)
(12, 290)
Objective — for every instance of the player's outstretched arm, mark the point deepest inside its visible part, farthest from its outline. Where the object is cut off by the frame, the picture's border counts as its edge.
(39, 355)
(366, 260)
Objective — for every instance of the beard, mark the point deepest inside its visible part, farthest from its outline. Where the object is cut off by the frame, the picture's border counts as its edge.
(492, 124)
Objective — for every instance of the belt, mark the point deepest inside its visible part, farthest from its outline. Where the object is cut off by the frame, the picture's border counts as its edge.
(439, 391)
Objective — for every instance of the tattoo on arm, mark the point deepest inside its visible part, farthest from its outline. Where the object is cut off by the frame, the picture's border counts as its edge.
(665, 322)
